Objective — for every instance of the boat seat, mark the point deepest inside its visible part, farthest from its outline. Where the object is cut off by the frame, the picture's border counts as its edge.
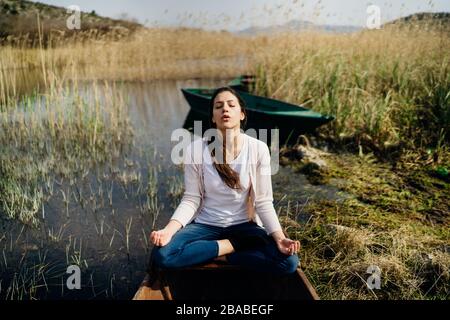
(219, 280)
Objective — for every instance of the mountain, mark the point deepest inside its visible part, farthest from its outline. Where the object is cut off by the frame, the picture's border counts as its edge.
(296, 26)
(19, 17)
(423, 20)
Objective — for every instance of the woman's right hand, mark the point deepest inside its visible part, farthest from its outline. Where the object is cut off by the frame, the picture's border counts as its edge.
(161, 237)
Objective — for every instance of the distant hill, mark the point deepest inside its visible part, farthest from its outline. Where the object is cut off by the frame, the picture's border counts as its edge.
(424, 20)
(430, 20)
(296, 26)
(19, 17)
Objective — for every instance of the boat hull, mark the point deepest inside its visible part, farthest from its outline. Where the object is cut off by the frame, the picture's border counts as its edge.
(302, 121)
(219, 281)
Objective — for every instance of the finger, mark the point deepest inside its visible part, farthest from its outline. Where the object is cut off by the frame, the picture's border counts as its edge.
(159, 240)
(282, 249)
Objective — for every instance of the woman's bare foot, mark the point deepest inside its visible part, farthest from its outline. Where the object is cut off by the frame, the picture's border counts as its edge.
(225, 247)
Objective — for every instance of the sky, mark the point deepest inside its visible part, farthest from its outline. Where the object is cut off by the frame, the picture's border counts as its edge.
(236, 15)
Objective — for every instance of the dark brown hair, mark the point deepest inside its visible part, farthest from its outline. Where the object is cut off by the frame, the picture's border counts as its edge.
(228, 175)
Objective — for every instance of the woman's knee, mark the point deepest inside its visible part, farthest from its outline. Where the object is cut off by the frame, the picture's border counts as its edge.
(163, 256)
(289, 265)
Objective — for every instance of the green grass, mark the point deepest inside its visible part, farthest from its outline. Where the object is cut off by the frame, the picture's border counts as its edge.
(386, 222)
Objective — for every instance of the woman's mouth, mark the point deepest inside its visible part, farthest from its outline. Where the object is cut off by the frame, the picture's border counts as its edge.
(226, 118)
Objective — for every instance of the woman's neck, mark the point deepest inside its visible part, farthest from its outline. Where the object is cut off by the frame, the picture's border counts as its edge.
(232, 141)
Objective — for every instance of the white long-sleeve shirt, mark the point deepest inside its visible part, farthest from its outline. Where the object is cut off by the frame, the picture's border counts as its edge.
(224, 206)
(259, 200)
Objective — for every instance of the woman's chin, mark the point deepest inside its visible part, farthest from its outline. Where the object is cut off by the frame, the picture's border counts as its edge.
(226, 126)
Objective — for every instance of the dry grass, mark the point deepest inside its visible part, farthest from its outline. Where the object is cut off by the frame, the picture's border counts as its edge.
(146, 55)
(386, 88)
(383, 221)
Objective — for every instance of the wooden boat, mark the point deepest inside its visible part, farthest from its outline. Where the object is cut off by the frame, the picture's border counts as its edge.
(220, 281)
(263, 111)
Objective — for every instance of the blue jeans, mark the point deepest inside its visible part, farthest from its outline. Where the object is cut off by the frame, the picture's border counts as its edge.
(197, 243)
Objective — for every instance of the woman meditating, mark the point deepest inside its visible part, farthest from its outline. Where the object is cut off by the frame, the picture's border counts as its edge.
(224, 187)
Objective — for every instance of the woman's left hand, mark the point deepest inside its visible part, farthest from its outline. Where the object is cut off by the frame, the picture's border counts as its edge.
(288, 246)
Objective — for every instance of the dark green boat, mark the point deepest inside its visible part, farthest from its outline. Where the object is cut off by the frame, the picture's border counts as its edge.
(264, 112)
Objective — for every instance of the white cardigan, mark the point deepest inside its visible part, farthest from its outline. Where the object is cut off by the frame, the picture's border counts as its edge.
(260, 201)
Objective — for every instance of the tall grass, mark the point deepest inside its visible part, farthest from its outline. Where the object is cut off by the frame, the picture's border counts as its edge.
(385, 87)
(147, 54)
(57, 135)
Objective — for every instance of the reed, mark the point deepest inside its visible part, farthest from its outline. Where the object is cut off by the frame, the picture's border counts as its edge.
(386, 88)
(57, 135)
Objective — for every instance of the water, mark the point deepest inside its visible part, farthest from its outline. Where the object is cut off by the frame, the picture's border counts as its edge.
(101, 222)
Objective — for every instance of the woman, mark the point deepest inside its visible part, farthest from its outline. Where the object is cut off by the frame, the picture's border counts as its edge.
(223, 187)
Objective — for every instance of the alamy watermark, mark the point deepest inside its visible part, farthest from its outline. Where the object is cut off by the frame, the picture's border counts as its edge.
(374, 19)
(74, 280)
(74, 20)
(374, 280)
(185, 148)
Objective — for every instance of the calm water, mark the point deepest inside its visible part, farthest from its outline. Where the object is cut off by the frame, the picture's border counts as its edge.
(105, 222)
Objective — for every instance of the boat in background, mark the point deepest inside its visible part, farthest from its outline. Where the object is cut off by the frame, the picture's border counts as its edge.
(264, 112)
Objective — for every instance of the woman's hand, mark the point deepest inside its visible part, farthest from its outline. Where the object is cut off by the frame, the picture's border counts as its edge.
(288, 246)
(285, 245)
(161, 237)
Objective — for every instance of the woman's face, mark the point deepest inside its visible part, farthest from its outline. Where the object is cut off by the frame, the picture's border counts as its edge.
(227, 112)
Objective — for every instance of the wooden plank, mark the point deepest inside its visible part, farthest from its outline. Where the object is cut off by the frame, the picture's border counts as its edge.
(147, 292)
(308, 285)
(220, 282)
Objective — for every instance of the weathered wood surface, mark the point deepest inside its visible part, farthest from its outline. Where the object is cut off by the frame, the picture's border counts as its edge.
(221, 281)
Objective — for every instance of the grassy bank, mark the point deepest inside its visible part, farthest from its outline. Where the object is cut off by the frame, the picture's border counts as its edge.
(392, 218)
